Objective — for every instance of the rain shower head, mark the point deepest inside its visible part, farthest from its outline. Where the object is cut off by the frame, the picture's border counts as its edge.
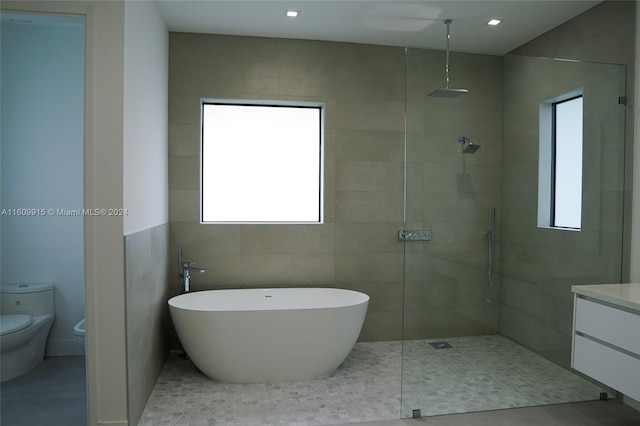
(446, 92)
(466, 146)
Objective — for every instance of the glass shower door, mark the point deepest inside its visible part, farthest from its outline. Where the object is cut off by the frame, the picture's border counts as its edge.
(451, 195)
(490, 286)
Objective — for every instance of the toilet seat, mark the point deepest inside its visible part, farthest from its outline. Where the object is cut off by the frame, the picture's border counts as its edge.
(14, 322)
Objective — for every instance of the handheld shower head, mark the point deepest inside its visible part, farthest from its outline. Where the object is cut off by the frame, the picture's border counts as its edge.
(466, 146)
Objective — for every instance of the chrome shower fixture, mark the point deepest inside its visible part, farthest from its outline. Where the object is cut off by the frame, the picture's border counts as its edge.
(466, 146)
(446, 92)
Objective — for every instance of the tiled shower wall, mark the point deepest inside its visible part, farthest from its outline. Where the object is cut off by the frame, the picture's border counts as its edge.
(363, 87)
(539, 266)
(452, 194)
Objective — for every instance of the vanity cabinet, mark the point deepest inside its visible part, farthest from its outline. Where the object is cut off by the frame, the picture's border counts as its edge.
(606, 335)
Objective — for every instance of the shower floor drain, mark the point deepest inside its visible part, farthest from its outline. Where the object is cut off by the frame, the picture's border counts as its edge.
(441, 345)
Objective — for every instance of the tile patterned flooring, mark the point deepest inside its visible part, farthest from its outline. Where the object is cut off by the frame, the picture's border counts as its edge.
(478, 373)
(484, 373)
(592, 413)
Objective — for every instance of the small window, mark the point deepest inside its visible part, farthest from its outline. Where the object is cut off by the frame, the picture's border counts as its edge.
(560, 162)
(567, 164)
(261, 162)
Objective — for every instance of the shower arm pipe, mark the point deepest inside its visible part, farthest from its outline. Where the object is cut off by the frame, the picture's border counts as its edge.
(446, 67)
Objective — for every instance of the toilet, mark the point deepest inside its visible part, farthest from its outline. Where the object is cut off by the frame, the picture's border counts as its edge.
(26, 315)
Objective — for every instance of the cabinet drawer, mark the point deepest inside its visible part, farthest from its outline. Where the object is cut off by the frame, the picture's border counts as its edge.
(617, 327)
(615, 369)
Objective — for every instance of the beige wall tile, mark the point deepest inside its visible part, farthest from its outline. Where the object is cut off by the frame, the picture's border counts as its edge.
(368, 56)
(378, 237)
(290, 52)
(369, 83)
(369, 206)
(285, 79)
(382, 326)
(369, 145)
(363, 114)
(184, 173)
(368, 267)
(184, 205)
(288, 238)
(185, 140)
(201, 242)
(369, 176)
(287, 270)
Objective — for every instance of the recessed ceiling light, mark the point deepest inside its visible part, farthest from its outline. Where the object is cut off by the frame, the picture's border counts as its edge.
(292, 13)
(494, 22)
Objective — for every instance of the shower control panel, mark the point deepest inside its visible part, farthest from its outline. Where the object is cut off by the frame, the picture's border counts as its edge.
(414, 235)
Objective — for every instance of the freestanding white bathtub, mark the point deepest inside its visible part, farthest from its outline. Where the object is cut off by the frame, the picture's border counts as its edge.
(268, 335)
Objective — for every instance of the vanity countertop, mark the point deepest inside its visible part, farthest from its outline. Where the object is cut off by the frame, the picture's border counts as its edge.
(624, 295)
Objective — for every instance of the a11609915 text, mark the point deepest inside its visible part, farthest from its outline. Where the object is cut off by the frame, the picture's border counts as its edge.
(34, 212)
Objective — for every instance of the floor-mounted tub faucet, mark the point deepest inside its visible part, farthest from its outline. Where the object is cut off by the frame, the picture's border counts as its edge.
(185, 271)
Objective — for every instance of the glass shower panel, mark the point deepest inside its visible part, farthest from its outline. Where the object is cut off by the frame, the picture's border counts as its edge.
(453, 195)
(540, 263)
(490, 286)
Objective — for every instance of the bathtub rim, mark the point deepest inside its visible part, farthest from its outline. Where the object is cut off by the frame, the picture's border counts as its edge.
(174, 302)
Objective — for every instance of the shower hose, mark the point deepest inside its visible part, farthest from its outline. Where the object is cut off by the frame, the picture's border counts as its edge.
(488, 291)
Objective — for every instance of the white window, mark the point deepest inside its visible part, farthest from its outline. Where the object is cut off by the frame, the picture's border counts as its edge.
(560, 166)
(567, 201)
(261, 162)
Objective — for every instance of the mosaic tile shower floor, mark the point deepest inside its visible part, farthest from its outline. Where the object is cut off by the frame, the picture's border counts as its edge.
(478, 373)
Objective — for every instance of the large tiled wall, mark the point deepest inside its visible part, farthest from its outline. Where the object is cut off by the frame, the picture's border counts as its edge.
(363, 87)
(357, 247)
(147, 312)
(540, 265)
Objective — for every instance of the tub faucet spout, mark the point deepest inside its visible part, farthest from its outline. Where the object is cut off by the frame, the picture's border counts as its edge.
(185, 271)
(189, 267)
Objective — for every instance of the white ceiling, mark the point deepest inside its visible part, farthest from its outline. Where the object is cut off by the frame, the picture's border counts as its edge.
(392, 22)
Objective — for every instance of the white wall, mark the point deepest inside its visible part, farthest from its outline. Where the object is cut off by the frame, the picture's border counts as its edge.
(145, 192)
(42, 146)
(104, 245)
(145, 117)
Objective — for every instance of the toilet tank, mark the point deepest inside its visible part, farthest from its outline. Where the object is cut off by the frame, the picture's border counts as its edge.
(27, 298)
